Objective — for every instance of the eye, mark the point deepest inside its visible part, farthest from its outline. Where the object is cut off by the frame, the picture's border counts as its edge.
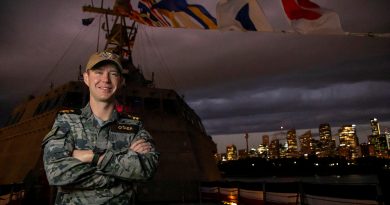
(98, 72)
(115, 74)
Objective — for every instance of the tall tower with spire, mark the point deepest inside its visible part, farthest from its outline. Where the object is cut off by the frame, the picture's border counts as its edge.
(246, 140)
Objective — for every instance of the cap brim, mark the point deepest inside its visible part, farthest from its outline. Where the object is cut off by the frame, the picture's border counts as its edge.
(105, 62)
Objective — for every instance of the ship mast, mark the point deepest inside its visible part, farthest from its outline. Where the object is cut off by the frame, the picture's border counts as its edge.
(120, 40)
(120, 37)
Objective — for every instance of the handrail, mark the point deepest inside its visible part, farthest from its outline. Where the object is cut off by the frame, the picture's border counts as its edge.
(236, 192)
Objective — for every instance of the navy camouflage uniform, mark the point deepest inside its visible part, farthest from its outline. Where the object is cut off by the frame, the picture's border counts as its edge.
(112, 180)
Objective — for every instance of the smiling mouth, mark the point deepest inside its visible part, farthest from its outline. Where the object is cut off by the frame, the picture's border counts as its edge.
(105, 88)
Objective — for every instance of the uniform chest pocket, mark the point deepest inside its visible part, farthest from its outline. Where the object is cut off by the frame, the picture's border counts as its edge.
(120, 135)
(119, 140)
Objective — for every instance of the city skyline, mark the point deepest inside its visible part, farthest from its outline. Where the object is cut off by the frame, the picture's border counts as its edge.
(255, 138)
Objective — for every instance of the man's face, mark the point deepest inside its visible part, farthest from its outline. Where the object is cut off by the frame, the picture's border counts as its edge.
(103, 82)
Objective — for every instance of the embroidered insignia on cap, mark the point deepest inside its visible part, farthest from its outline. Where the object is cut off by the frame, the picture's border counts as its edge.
(107, 55)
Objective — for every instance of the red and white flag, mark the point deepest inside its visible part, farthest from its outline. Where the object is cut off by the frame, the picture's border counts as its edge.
(307, 17)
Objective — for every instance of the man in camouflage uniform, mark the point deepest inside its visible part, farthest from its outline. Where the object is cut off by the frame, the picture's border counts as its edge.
(96, 154)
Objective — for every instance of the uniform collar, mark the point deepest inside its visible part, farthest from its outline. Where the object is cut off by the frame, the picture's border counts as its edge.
(87, 113)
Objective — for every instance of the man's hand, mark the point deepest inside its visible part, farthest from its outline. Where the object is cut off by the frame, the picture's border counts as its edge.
(141, 146)
(83, 155)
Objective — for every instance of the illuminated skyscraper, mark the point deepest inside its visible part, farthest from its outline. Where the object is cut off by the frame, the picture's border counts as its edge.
(325, 134)
(306, 143)
(283, 150)
(231, 152)
(381, 147)
(316, 147)
(377, 141)
(372, 145)
(292, 145)
(348, 141)
(387, 134)
(263, 151)
(328, 145)
(375, 127)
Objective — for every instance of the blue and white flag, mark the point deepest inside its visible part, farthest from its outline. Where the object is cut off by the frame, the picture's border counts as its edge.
(241, 15)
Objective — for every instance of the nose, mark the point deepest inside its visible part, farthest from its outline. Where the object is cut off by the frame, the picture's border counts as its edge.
(106, 77)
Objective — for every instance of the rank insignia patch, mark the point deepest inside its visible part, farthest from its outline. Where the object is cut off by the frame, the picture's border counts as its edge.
(70, 111)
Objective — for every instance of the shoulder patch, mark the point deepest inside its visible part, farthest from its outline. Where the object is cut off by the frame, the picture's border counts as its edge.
(50, 134)
(70, 111)
(56, 132)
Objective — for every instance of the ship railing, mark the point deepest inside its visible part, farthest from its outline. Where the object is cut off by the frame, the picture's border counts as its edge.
(289, 193)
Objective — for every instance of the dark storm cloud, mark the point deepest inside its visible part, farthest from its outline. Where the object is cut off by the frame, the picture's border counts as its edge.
(296, 98)
(209, 59)
(254, 110)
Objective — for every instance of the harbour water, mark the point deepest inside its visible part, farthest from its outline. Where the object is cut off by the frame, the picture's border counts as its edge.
(310, 190)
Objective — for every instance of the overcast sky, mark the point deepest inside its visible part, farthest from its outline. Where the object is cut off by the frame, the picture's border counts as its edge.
(236, 81)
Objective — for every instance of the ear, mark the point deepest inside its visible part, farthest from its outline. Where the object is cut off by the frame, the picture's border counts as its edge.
(85, 77)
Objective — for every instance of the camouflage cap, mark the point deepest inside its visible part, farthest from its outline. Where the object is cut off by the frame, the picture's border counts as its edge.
(104, 56)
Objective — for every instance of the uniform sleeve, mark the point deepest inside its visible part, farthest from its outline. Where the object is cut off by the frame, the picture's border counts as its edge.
(61, 168)
(129, 165)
